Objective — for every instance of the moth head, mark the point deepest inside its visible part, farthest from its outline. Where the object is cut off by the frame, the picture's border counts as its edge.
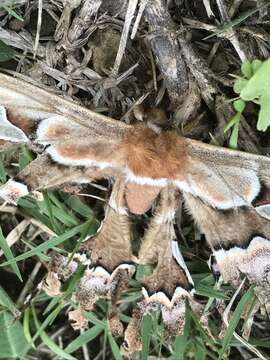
(154, 118)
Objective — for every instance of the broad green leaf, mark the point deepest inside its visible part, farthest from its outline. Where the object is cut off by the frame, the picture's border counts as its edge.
(239, 105)
(258, 84)
(246, 69)
(239, 85)
(258, 87)
(12, 339)
(6, 52)
(256, 64)
(264, 113)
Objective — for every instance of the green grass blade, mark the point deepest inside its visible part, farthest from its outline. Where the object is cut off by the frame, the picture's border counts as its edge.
(146, 332)
(114, 347)
(8, 254)
(234, 321)
(84, 338)
(49, 342)
(6, 301)
(48, 244)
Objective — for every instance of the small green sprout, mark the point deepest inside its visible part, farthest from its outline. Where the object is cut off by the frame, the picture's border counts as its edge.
(253, 86)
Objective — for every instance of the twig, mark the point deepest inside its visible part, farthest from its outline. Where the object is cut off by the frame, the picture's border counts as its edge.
(230, 33)
(39, 22)
(83, 20)
(16, 233)
(143, 4)
(29, 284)
(208, 9)
(132, 4)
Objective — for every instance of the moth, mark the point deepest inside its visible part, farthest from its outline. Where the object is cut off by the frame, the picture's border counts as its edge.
(226, 191)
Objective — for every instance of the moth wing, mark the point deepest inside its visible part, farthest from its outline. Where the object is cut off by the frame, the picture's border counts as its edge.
(224, 178)
(74, 135)
(238, 183)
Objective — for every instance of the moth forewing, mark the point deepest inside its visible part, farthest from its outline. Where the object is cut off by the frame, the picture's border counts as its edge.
(38, 104)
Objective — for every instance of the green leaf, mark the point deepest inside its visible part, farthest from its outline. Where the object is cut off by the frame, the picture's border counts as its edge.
(239, 105)
(234, 120)
(48, 244)
(8, 254)
(181, 342)
(49, 342)
(146, 331)
(11, 11)
(258, 88)
(6, 52)
(84, 339)
(42, 327)
(3, 177)
(259, 82)
(7, 302)
(235, 319)
(246, 69)
(114, 347)
(25, 158)
(256, 64)
(12, 339)
(143, 270)
(264, 113)
(234, 137)
(26, 326)
(239, 85)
